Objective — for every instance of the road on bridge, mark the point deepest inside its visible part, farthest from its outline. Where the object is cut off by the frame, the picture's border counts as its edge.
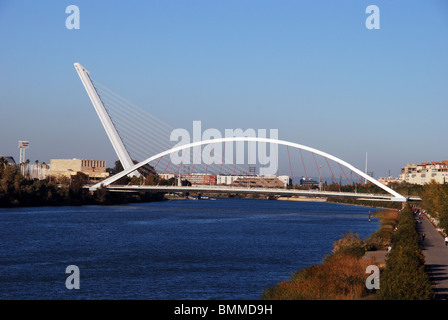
(436, 256)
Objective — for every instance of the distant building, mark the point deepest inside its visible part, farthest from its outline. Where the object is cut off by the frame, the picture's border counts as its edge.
(228, 179)
(425, 172)
(389, 180)
(166, 176)
(94, 169)
(308, 182)
(285, 180)
(8, 159)
(199, 178)
(30, 170)
(38, 171)
(267, 181)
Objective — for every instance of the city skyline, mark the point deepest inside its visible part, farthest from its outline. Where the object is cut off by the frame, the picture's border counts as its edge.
(311, 70)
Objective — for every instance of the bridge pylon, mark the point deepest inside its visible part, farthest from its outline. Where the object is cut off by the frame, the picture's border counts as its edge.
(108, 125)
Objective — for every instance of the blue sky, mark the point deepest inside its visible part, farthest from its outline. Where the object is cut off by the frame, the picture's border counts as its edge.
(310, 69)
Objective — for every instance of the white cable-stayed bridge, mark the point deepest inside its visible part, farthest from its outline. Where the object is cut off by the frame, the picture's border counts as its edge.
(139, 139)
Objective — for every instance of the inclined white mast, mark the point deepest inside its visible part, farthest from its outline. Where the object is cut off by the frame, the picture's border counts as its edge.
(108, 125)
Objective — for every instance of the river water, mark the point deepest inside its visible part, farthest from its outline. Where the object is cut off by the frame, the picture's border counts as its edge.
(203, 249)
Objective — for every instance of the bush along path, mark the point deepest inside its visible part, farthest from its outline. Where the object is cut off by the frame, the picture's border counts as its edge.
(404, 277)
(342, 275)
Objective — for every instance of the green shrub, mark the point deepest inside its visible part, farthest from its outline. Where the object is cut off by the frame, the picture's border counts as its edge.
(404, 277)
(349, 244)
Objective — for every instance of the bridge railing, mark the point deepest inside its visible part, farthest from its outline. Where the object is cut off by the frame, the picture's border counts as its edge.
(230, 189)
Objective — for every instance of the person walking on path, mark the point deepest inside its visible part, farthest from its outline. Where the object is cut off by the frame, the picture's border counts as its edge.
(446, 241)
(436, 257)
(423, 236)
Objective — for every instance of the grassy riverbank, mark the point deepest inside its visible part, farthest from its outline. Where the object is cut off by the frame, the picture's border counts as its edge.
(342, 275)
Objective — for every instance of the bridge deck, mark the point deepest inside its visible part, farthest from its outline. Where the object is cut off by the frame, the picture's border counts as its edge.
(266, 191)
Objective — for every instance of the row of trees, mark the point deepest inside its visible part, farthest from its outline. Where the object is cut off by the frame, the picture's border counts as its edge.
(405, 189)
(435, 202)
(16, 190)
(404, 277)
(148, 176)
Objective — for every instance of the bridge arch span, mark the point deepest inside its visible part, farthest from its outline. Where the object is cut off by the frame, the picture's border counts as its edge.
(108, 181)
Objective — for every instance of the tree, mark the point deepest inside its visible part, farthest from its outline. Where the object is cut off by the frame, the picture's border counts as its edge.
(117, 169)
(435, 201)
(102, 195)
(77, 183)
(145, 170)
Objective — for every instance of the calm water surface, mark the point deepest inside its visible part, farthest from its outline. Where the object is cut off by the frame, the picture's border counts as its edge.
(222, 249)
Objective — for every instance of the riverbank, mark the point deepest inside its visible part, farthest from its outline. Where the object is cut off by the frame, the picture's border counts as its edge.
(388, 205)
(341, 275)
(18, 191)
(45, 193)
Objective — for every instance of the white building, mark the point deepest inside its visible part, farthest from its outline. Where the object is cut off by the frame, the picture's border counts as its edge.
(286, 180)
(229, 179)
(388, 180)
(36, 171)
(425, 172)
(167, 176)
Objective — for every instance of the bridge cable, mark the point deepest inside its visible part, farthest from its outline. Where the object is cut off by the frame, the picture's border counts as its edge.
(157, 122)
(194, 160)
(304, 168)
(153, 170)
(332, 174)
(165, 169)
(362, 182)
(222, 158)
(317, 167)
(290, 167)
(133, 121)
(349, 182)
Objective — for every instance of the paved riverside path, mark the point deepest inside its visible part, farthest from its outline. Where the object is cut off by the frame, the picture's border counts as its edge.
(436, 256)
